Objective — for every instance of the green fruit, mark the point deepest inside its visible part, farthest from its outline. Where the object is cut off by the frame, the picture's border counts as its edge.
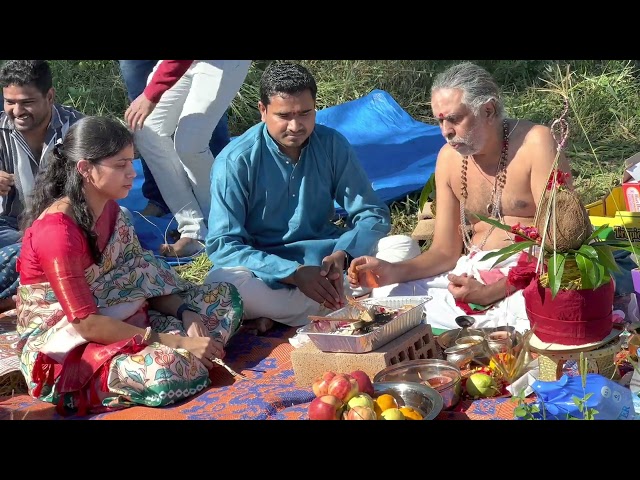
(481, 385)
(392, 414)
(361, 400)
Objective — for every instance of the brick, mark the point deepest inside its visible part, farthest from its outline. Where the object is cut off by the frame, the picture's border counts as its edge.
(309, 362)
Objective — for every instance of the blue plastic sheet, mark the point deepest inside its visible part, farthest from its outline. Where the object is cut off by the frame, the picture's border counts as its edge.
(397, 152)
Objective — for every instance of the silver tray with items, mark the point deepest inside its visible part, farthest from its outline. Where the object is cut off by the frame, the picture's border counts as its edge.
(328, 335)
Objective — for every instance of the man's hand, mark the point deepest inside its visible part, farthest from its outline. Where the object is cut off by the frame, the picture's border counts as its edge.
(467, 289)
(6, 183)
(332, 268)
(138, 112)
(369, 272)
(318, 287)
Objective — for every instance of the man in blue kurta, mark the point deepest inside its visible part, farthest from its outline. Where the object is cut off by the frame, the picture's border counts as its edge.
(272, 228)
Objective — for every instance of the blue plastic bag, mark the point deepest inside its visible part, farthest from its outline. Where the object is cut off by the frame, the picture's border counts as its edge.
(556, 400)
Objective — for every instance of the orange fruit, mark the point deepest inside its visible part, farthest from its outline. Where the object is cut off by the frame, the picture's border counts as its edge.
(410, 413)
(384, 402)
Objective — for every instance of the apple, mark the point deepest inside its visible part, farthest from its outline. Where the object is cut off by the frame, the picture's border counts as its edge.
(361, 400)
(343, 386)
(361, 413)
(321, 384)
(364, 382)
(325, 407)
(392, 414)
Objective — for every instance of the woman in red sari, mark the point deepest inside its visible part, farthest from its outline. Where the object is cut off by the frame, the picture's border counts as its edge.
(104, 323)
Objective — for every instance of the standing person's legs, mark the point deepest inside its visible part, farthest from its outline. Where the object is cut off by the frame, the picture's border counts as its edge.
(135, 74)
(220, 136)
(154, 141)
(215, 83)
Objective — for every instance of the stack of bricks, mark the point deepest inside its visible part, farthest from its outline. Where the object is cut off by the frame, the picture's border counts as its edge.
(309, 362)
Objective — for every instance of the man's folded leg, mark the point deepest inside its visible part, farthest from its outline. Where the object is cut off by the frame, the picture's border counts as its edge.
(288, 306)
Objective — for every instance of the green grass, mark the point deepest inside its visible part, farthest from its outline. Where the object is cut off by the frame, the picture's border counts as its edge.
(604, 96)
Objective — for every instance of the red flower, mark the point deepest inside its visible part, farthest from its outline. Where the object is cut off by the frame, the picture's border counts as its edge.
(520, 276)
(559, 177)
(523, 234)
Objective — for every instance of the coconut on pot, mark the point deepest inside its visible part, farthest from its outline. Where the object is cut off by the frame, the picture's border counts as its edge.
(572, 226)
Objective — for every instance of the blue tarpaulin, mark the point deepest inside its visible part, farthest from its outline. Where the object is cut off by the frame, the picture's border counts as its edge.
(397, 152)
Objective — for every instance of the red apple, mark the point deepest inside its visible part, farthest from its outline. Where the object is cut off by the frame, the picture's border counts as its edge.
(343, 386)
(326, 407)
(361, 413)
(364, 382)
(321, 384)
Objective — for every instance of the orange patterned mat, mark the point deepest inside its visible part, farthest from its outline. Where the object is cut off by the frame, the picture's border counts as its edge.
(269, 393)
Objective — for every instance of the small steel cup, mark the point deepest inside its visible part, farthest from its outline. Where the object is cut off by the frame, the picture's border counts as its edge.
(459, 355)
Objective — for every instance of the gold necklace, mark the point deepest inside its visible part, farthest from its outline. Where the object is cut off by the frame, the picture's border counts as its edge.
(493, 207)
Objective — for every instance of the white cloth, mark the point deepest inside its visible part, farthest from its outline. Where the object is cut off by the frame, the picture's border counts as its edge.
(442, 310)
(289, 305)
(189, 112)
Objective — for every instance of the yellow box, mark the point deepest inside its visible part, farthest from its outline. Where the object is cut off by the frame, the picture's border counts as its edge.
(625, 225)
(608, 206)
(610, 211)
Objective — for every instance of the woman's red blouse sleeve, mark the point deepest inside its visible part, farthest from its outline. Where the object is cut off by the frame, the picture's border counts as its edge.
(63, 255)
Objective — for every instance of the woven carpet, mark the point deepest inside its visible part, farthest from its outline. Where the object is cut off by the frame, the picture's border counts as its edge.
(269, 391)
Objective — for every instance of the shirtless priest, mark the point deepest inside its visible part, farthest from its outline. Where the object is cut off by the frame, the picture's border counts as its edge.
(491, 165)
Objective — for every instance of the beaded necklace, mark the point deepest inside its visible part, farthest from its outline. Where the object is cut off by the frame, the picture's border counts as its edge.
(493, 207)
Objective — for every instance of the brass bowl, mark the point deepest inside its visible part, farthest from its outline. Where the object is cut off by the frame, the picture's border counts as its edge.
(422, 398)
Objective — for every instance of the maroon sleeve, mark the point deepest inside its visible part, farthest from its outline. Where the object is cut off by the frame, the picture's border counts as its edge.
(63, 252)
(165, 77)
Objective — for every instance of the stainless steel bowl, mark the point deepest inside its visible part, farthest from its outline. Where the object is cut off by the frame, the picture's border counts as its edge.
(441, 375)
(501, 339)
(449, 342)
(459, 355)
(422, 398)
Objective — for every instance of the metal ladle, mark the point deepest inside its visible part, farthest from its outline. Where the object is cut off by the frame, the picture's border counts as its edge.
(464, 322)
(482, 352)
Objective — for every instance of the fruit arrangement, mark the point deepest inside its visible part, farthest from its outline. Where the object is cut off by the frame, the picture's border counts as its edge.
(351, 396)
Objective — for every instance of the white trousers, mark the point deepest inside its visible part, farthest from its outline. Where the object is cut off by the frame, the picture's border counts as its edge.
(289, 305)
(442, 310)
(189, 112)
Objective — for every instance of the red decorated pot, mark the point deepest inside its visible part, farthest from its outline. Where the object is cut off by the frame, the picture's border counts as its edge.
(573, 317)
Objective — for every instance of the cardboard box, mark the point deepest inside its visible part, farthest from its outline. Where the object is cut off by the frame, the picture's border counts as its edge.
(625, 225)
(631, 183)
(631, 191)
(621, 208)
